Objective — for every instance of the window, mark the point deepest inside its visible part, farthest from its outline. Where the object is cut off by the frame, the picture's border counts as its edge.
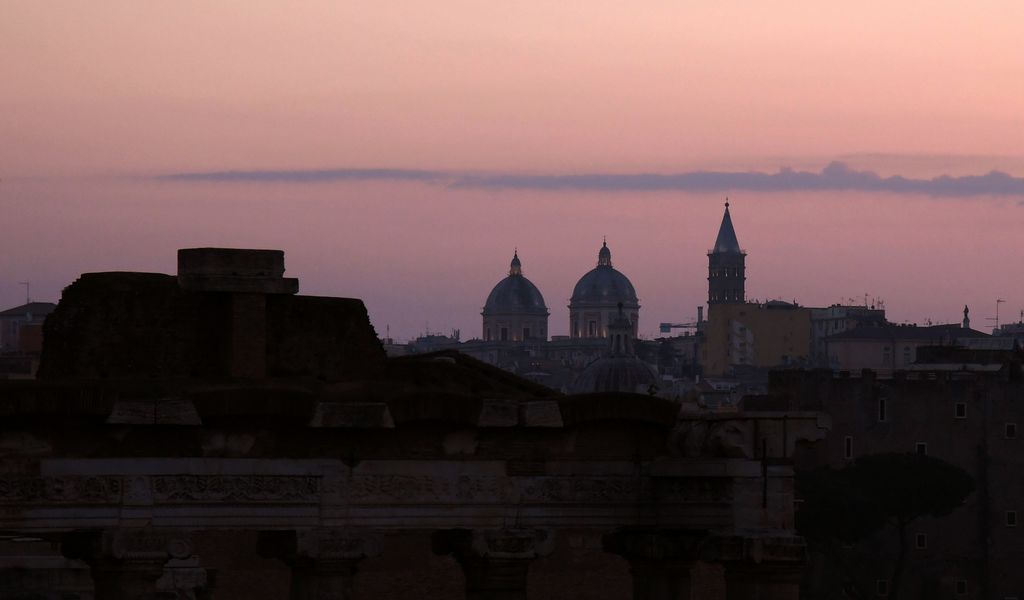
(921, 541)
(921, 448)
(961, 587)
(487, 335)
(504, 334)
(885, 355)
(592, 328)
(881, 409)
(960, 411)
(1011, 431)
(526, 333)
(906, 355)
(1011, 518)
(882, 587)
(848, 448)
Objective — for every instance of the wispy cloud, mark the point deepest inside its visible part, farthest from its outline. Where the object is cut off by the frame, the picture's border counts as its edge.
(836, 176)
(308, 175)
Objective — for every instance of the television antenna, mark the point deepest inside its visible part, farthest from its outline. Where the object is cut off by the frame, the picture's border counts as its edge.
(28, 290)
(996, 319)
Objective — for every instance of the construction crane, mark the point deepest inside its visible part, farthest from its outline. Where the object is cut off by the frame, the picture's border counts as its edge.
(668, 327)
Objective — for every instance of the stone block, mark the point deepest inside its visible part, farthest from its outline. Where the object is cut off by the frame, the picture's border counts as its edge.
(231, 262)
(498, 413)
(359, 415)
(542, 413)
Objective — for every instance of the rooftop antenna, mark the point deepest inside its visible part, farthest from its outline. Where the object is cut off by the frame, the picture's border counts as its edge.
(996, 319)
(28, 289)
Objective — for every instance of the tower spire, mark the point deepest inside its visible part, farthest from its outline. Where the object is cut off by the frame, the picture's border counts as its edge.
(726, 240)
(726, 265)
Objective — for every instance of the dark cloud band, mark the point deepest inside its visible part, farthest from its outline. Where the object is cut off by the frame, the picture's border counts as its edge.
(835, 177)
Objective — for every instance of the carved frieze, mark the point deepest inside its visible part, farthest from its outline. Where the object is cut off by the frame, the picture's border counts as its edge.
(425, 488)
(584, 489)
(201, 489)
(692, 490)
(60, 490)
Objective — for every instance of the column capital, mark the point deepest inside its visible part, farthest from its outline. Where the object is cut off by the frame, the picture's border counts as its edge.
(323, 561)
(506, 543)
(756, 549)
(657, 544)
(126, 562)
(126, 545)
(768, 566)
(318, 545)
(496, 562)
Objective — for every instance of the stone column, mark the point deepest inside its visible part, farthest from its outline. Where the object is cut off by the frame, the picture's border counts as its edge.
(762, 567)
(661, 561)
(495, 561)
(323, 561)
(126, 563)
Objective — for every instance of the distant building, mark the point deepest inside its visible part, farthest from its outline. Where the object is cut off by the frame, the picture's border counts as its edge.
(596, 299)
(957, 404)
(746, 336)
(21, 327)
(515, 309)
(21, 339)
(753, 336)
(889, 347)
(837, 319)
(1012, 330)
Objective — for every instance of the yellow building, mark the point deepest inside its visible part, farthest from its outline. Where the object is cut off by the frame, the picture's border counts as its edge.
(766, 335)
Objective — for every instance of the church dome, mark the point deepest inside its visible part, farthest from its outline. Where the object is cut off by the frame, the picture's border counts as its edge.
(515, 294)
(604, 285)
(616, 374)
(619, 370)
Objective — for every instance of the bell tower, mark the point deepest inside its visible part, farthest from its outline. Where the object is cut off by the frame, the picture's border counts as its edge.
(726, 266)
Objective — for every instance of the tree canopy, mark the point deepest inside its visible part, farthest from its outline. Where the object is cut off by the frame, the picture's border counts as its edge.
(852, 503)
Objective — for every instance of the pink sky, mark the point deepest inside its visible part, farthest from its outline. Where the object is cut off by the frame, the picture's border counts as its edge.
(94, 92)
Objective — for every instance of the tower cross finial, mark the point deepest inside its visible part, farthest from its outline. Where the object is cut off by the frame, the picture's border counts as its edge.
(727, 202)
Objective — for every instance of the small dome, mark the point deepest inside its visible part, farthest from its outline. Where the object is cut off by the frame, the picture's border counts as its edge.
(616, 374)
(515, 294)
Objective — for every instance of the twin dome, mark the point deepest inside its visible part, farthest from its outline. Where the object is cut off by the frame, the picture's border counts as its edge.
(515, 293)
(515, 308)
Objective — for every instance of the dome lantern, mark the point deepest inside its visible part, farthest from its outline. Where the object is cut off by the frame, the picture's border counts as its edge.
(604, 255)
(516, 268)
